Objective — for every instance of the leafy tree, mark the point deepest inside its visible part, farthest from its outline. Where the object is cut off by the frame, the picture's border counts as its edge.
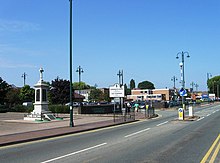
(13, 97)
(146, 85)
(106, 97)
(214, 85)
(59, 92)
(96, 95)
(80, 86)
(132, 84)
(26, 93)
(4, 88)
(127, 90)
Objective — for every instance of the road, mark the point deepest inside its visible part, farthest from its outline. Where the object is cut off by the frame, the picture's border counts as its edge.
(164, 139)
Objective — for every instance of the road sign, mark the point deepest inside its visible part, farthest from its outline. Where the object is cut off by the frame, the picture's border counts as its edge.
(183, 92)
(116, 91)
(181, 113)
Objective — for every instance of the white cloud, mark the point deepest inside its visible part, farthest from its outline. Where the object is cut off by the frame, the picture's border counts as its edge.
(9, 64)
(17, 26)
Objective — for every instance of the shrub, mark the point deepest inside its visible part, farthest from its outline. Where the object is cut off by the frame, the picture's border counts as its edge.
(21, 108)
(58, 108)
(3, 108)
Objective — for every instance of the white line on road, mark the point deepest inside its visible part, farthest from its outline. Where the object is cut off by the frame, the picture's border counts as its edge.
(137, 132)
(208, 115)
(162, 123)
(70, 154)
(214, 111)
(200, 118)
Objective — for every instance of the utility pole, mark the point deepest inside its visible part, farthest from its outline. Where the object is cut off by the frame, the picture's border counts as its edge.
(24, 75)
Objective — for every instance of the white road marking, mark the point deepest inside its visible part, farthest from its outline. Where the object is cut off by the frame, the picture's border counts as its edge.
(137, 132)
(162, 123)
(70, 154)
(208, 115)
(214, 111)
(200, 118)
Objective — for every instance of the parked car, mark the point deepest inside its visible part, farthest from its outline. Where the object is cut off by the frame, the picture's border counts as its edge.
(75, 104)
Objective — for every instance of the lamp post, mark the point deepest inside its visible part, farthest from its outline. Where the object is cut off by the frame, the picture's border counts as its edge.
(120, 75)
(79, 70)
(182, 73)
(208, 76)
(71, 88)
(192, 84)
(24, 75)
(174, 79)
(196, 85)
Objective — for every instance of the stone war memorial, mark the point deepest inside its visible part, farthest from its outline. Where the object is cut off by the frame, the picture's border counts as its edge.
(40, 111)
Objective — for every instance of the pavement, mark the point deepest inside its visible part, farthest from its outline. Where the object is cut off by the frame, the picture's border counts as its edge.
(14, 130)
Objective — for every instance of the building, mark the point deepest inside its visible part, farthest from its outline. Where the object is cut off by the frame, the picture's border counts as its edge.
(151, 94)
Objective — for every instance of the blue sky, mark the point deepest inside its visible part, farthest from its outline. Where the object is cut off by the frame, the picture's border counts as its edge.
(139, 37)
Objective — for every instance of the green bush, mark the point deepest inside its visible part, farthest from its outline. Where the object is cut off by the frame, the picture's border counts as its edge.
(58, 108)
(21, 108)
(3, 108)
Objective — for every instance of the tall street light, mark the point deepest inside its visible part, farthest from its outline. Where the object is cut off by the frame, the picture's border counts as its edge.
(182, 73)
(24, 75)
(208, 76)
(79, 70)
(174, 79)
(71, 88)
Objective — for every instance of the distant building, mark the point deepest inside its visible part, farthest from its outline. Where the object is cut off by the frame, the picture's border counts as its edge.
(85, 92)
(151, 94)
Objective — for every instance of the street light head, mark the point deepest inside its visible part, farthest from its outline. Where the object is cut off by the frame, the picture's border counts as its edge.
(177, 57)
(188, 56)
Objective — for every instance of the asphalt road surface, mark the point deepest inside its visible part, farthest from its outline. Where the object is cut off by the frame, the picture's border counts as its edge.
(164, 139)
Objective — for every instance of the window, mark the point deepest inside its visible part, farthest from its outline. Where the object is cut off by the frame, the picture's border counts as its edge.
(44, 95)
(38, 95)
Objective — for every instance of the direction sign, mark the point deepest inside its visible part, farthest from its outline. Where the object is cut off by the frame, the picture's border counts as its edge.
(182, 92)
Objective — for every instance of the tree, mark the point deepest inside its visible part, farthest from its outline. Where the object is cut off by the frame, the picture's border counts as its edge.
(214, 85)
(80, 86)
(127, 90)
(4, 88)
(13, 97)
(96, 95)
(132, 84)
(26, 94)
(60, 91)
(146, 85)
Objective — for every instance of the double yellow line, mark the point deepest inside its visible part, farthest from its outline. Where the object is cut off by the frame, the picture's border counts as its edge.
(215, 146)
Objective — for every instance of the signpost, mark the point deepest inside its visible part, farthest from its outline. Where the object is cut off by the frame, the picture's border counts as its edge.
(117, 92)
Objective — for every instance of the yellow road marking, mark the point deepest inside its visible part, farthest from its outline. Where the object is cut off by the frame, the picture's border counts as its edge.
(215, 154)
(210, 150)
